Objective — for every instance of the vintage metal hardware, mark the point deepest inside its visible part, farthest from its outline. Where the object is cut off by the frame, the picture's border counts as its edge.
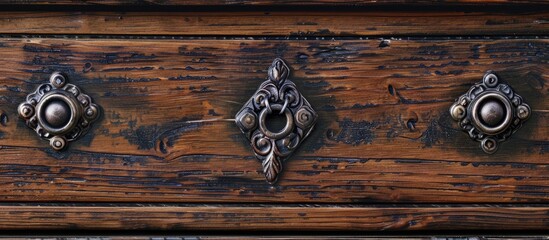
(490, 112)
(58, 111)
(277, 95)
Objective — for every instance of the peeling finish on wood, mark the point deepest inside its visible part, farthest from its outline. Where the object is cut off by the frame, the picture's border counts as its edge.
(256, 236)
(170, 76)
(384, 133)
(270, 2)
(274, 218)
(364, 23)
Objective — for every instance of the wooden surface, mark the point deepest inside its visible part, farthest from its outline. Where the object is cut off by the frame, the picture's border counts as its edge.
(375, 24)
(275, 219)
(167, 133)
(272, 2)
(280, 237)
(166, 155)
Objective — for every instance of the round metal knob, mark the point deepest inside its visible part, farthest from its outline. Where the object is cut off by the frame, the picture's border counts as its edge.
(58, 112)
(490, 112)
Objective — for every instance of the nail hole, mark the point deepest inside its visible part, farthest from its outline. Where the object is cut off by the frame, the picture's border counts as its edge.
(411, 124)
(87, 67)
(330, 133)
(391, 89)
(162, 147)
(4, 119)
(385, 43)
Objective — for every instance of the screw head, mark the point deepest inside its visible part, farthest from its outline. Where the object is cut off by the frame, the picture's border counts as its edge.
(523, 111)
(491, 80)
(248, 120)
(58, 143)
(57, 80)
(457, 111)
(91, 112)
(489, 145)
(26, 111)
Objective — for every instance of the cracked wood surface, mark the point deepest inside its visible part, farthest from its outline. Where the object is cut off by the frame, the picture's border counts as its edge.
(384, 132)
(273, 2)
(274, 219)
(364, 23)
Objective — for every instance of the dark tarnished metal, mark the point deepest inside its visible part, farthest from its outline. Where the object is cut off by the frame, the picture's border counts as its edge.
(278, 95)
(490, 112)
(58, 111)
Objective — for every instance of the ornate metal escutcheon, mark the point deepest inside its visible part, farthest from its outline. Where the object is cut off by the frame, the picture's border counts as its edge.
(59, 112)
(490, 112)
(277, 95)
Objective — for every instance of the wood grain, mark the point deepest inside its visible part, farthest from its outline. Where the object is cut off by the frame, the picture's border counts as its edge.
(284, 219)
(271, 236)
(385, 24)
(256, 236)
(167, 133)
(269, 2)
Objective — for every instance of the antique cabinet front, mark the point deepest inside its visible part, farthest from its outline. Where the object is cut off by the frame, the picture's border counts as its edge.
(277, 117)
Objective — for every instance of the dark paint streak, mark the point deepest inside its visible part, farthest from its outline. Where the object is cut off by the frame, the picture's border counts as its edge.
(437, 133)
(125, 69)
(41, 49)
(188, 77)
(146, 137)
(330, 54)
(355, 133)
(120, 57)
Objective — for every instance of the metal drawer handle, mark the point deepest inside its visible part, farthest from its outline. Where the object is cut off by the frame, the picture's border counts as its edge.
(490, 112)
(58, 111)
(277, 95)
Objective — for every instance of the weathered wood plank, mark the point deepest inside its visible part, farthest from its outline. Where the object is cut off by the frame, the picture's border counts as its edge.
(167, 135)
(257, 236)
(275, 218)
(276, 23)
(270, 2)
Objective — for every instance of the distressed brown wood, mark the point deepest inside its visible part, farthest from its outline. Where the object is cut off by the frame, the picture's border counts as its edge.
(166, 156)
(272, 2)
(275, 218)
(167, 134)
(281, 237)
(276, 23)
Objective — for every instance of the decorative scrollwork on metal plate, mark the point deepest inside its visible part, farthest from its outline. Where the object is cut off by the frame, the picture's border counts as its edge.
(59, 112)
(490, 112)
(277, 95)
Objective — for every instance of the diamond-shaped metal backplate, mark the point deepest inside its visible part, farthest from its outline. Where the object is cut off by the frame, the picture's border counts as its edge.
(490, 112)
(277, 95)
(59, 100)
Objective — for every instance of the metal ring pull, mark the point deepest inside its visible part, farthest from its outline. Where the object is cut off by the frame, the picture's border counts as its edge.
(490, 112)
(58, 111)
(287, 128)
(278, 95)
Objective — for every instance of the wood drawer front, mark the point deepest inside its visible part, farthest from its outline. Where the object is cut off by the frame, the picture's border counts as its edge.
(333, 23)
(270, 3)
(167, 134)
